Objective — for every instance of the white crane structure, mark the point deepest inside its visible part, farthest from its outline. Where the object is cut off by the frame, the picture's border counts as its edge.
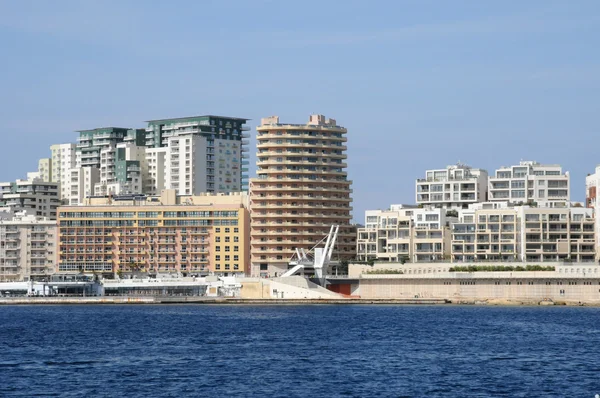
(316, 258)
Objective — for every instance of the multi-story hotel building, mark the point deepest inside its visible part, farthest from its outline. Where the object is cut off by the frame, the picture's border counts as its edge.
(192, 235)
(204, 153)
(529, 182)
(39, 198)
(28, 247)
(456, 187)
(301, 190)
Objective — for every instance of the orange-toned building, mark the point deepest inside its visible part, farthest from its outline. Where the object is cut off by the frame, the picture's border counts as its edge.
(301, 189)
(190, 235)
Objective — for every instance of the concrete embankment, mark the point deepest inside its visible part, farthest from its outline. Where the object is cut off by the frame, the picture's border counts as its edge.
(525, 302)
(206, 300)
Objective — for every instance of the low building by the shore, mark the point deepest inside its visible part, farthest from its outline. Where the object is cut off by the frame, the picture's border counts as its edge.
(569, 283)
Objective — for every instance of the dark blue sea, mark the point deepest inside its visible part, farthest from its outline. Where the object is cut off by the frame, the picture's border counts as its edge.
(299, 351)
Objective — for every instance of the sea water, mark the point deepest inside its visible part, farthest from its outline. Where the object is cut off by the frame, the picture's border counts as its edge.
(299, 351)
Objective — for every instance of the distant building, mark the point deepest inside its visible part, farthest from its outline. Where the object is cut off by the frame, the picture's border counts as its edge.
(156, 163)
(45, 169)
(82, 181)
(454, 187)
(63, 160)
(592, 184)
(203, 153)
(28, 247)
(39, 198)
(529, 182)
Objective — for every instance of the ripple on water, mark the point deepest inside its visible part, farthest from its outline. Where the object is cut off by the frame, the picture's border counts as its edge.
(289, 351)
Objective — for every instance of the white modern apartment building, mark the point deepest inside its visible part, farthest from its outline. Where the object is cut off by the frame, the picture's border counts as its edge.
(45, 169)
(497, 231)
(63, 159)
(28, 247)
(37, 197)
(558, 234)
(487, 232)
(82, 181)
(387, 235)
(405, 233)
(130, 170)
(529, 181)
(203, 154)
(185, 159)
(156, 164)
(454, 187)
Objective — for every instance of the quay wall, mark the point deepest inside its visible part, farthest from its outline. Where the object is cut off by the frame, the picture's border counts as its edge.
(484, 286)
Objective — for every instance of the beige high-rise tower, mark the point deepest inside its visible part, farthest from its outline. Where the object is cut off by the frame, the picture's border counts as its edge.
(300, 191)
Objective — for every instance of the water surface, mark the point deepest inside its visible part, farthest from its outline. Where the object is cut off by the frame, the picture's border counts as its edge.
(294, 351)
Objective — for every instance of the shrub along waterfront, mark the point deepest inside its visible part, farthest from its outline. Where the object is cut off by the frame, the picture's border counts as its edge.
(500, 268)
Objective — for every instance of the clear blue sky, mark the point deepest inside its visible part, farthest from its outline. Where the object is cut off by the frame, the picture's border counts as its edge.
(419, 84)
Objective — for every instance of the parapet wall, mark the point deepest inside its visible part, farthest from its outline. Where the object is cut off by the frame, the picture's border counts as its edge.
(355, 270)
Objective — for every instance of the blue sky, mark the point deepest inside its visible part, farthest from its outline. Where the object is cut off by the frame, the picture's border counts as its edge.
(419, 84)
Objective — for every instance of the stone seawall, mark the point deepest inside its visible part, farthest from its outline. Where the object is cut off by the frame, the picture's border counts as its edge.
(486, 287)
(205, 300)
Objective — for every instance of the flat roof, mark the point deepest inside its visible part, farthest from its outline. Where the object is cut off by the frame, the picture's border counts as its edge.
(191, 117)
(102, 128)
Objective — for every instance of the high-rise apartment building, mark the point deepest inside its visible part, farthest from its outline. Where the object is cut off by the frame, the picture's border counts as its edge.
(156, 164)
(28, 247)
(301, 190)
(204, 153)
(456, 186)
(82, 181)
(37, 197)
(45, 169)
(192, 235)
(529, 182)
(64, 158)
(118, 153)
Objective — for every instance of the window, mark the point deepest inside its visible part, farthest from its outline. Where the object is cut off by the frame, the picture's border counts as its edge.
(227, 238)
(217, 248)
(217, 239)
(236, 248)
